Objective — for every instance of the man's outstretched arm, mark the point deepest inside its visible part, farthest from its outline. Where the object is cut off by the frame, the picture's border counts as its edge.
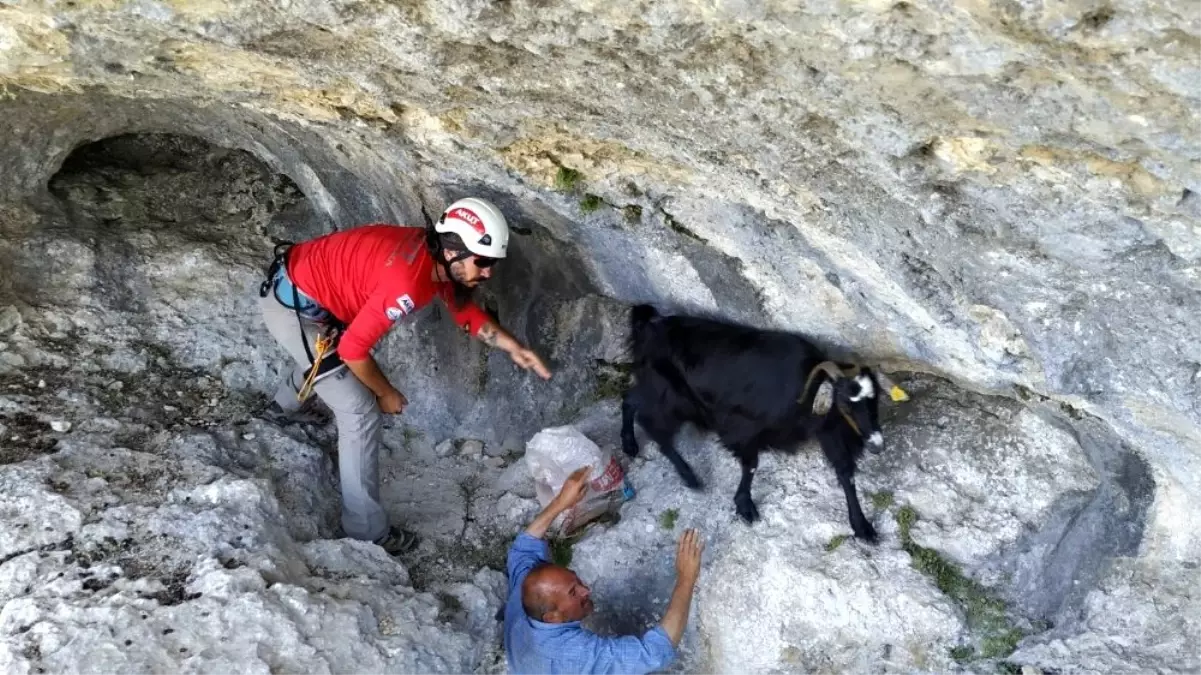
(569, 495)
(688, 569)
(479, 324)
(493, 335)
(529, 548)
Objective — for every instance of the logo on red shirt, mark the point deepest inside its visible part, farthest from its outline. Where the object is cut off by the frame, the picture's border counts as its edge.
(405, 306)
(468, 216)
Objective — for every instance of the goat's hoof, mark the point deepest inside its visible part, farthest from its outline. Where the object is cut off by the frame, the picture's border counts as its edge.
(691, 481)
(748, 511)
(631, 449)
(868, 534)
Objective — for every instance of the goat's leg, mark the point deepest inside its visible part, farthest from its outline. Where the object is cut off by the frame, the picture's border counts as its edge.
(629, 444)
(859, 523)
(742, 498)
(841, 454)
(664, 437)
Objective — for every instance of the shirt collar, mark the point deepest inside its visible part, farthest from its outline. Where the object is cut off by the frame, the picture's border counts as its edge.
(542, 625)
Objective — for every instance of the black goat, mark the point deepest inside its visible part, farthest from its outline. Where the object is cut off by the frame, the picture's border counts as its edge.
(757, 390)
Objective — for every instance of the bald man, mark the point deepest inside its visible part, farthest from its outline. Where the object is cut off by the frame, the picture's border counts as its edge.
(546, 603)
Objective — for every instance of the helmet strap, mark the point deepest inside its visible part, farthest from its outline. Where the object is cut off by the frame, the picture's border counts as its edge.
(461, 293)
(433, 243)
(463, 255)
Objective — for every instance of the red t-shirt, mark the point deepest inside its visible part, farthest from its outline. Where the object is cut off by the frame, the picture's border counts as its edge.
(371, 276)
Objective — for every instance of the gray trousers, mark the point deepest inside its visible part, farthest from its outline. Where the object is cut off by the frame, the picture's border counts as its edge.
(356, 412)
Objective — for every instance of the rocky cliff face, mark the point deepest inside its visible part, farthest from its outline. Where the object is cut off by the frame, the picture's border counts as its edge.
(997, 200)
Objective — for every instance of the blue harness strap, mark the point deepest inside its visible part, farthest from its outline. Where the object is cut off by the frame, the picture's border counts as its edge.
(285, 291)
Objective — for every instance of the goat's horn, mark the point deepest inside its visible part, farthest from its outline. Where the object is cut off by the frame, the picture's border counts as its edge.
(831, 369)
(826, 366)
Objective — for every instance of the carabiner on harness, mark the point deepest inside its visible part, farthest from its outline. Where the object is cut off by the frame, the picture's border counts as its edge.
(327, 341)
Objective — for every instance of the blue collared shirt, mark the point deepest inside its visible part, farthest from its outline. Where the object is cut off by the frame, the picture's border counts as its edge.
(536, 648)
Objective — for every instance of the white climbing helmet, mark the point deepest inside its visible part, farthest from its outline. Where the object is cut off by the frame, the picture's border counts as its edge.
(480, 225)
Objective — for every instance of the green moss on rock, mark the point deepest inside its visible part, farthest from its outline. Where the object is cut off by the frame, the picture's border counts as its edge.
(566, 179)
(667, 519)
(987, 616)
(560, 552)
(612, 380)
(882, 499)
(835, 542)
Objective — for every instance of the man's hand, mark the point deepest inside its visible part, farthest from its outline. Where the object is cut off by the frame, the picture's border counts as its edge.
(573, 489)
(393, 402)
(526, 358)
(493, 335)
(688, 568)
(688, 556)
(570, 494)
(390, 400)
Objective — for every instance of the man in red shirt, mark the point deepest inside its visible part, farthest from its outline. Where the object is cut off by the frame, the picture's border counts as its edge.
(362, 281)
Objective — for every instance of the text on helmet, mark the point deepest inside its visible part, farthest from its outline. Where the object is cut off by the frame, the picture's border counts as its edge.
(468, 216)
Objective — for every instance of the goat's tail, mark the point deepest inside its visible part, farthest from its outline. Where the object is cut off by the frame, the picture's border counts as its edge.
(640, 315)
(642, 331)
(645, 341)
(652, 353)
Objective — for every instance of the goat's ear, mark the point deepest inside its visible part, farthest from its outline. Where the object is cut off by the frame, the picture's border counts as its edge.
(824, 398)
(896, 393)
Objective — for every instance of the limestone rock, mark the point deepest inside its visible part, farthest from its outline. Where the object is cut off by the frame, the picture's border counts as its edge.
(471, 448)
(1004, 196)
(10, 320)
(517, 509)
(516, 478)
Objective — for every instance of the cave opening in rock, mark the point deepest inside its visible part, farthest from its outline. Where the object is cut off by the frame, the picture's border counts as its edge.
(152, 242)
(157, 181)
(136, 276)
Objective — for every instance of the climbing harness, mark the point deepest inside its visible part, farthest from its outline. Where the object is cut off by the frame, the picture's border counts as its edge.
(326, 361)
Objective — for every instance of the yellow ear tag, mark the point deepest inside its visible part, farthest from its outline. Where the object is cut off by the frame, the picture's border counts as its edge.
(898, 394)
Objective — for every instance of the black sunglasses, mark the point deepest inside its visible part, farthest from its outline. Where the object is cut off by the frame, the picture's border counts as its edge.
(484, 263)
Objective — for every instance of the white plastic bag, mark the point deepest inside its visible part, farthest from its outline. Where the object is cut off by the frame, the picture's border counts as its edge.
(552, 454)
